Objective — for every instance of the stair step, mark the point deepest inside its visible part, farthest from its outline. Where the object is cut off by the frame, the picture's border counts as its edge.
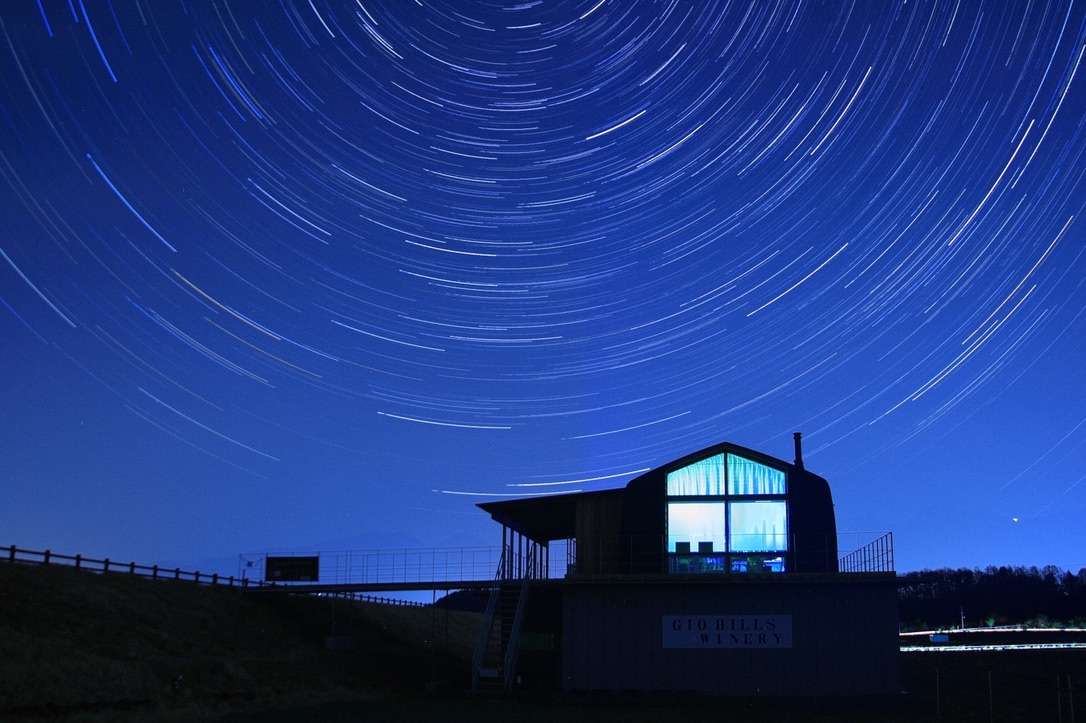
(500, 634)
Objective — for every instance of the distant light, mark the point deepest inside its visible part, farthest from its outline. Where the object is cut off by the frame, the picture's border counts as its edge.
(1015, 519)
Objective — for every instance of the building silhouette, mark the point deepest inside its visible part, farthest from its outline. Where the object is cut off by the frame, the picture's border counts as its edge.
(716, 573)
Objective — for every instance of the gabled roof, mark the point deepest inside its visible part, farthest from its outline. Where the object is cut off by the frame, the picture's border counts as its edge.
(720, 448)
(554, 517)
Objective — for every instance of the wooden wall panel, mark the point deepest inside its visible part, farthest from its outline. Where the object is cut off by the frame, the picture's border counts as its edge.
(844, 638)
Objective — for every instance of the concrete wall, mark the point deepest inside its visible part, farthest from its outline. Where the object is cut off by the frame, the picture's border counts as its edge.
(842, 635)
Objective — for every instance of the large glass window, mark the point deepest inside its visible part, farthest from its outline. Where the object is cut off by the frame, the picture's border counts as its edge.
(740, 522)
(695, 526)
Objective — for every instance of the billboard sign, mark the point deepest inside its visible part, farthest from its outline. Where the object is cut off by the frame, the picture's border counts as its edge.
(291, 569)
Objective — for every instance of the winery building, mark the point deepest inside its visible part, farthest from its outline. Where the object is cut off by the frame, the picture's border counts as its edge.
(717, 573)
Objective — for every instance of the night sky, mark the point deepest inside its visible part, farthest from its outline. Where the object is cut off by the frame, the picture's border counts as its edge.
(315, 274)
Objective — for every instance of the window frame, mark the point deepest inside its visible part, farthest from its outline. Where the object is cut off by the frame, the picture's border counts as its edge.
(733, 558)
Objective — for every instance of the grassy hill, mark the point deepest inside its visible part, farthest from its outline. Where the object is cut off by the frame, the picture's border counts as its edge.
(74, 642)
(82, 646)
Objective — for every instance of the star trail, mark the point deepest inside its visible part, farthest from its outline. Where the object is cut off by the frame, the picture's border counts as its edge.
(291, 274)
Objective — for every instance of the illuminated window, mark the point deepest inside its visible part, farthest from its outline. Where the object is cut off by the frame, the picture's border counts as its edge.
(702, 479)
(747, 477)
(739, 524)
(757, 526)
(695, 523)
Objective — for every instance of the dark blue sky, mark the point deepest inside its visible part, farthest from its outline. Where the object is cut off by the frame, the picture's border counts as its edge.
(318, 274)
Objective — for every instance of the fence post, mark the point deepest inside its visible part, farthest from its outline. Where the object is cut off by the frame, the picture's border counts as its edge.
(105, 565)
(11, 554)
(177, 573)
(1070, 699)
(1059, 698)
(132, 568)
(154, 572)
(936, 692)
(45, 560)
(215, 578)
(196, 577)
(78, 561)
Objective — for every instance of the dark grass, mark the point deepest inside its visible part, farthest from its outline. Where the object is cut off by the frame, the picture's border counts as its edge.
(82, 646)
(1008, 685)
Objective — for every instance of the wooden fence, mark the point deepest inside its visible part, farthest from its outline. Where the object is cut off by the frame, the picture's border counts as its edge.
(14, 554)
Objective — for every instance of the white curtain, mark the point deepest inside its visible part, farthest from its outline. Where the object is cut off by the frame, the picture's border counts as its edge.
(747, 477)
(701, 478)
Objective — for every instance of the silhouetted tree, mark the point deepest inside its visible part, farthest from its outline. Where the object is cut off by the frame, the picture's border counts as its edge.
(994, 596)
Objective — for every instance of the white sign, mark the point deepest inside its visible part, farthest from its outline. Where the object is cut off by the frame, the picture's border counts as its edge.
(727, 631)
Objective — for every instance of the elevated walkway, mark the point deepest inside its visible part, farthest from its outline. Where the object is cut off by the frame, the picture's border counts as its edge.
(370, 571)
(473, 568)
(304, 588)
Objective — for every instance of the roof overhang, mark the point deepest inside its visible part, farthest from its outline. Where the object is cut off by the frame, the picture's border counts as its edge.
(542, 519)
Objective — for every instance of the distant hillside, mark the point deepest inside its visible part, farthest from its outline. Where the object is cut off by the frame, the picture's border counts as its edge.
(78, 642)
(1038, 597)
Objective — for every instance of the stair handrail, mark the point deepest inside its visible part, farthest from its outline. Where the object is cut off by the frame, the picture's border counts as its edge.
(512, 645)
(488, 624)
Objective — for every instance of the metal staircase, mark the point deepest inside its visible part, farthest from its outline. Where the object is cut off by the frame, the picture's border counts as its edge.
(498, 647)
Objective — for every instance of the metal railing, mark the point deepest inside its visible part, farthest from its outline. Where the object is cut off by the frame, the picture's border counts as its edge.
(435, 564)
(512, 650)
(847, 552)
(854, 552)
(486, 632)
(875, 556)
